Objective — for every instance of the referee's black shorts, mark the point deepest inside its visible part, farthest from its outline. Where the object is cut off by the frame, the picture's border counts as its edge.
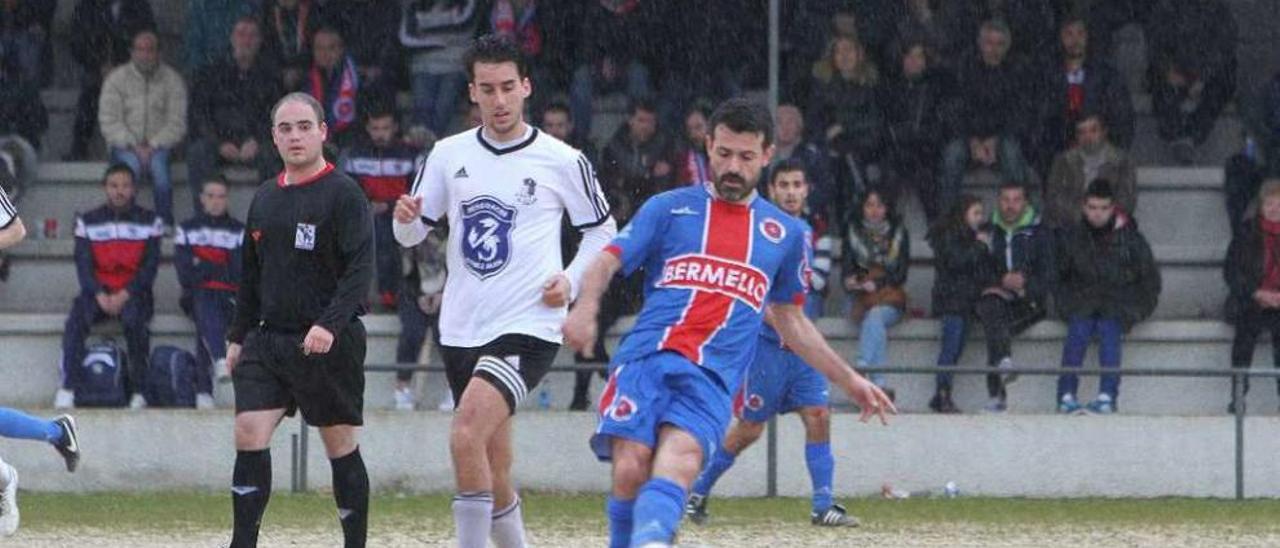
(273, 373)
(514, 364)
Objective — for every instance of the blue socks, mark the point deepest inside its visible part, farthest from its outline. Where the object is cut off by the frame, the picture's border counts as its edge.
(821, 469)
(657, 512)
(720, 463)
(619, 514)
(16, 424)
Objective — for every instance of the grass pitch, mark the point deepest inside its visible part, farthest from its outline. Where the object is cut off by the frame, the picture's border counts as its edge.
(190, 519)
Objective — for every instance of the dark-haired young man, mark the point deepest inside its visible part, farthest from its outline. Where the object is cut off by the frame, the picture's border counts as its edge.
(297, 341)
(717, 260)
(504, 188)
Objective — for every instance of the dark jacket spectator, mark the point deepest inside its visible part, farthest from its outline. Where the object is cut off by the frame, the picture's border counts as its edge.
(791, 143)
(332, 79)
(208, 24)
(845, 108)
(1107, 271)
(919, 108)
(1093, 157)
(962, 258)
(876, 250)
(1252, 273)
(637, 163)
(1032, 23)
(923, 22)
(100, 35)
(1192, 74)
(1076, 85)
(287, 27)
(25, 27)
(1025, 246)
(995, 97)
(369, 27)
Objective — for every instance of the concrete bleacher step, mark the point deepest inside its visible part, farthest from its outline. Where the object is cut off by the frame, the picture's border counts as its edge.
(31, 343)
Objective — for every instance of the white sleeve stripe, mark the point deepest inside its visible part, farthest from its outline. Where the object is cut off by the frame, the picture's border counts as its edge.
(592, 187)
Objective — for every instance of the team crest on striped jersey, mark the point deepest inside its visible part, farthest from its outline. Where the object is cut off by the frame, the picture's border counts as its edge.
(772, 230)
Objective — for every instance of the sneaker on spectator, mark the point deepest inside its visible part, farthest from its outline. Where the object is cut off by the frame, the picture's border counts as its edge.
(205, 401)
(137, 402)
(1102, 405)
(996, 405)
(69, 445)
(447, 403)
(941, 403)
(64, 399)
(1005, 365)
(404, 399)
(1069, 406)
(220, 371)
(9, 502)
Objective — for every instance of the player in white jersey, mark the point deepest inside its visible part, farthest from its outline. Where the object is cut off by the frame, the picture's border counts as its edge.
(504, 189)
(60, 432)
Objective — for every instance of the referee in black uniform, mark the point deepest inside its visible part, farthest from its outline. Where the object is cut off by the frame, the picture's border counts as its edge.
(297, 341)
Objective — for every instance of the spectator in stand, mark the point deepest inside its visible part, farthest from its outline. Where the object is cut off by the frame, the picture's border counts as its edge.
(437, 33)
(638, 162)
(1093, 157)
(917, 105)
(288, 26)
(1107, 16)
(1077, 84)
(846, 109)
(230, 103)
(206, 254)
(691, 153)
(208, 23)
(24, 38)
(117, 252)
(419, 310)
(333, 80)
(1260, 158)
(1192, 70)
(1032, 23)
(1252, 273)
(369, 27)
(792, 144)
(1013, 299)
(521, 21)
(1107, 281)
(613, 35)
(964, 268)
(384, 166)
(993, 109)
(557, 121)
(100, 38)
(876, 257)
(143, 116)
(922, 22)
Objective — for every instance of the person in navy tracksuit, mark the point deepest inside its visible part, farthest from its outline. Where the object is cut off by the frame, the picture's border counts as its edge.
(206, 254)
(117, 251)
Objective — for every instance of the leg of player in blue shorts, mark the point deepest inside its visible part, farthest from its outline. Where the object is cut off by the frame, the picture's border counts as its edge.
(60, 433)
(778, 382)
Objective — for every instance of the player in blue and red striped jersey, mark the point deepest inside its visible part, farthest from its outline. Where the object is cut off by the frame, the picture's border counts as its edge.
(718, 260)
(778, 381)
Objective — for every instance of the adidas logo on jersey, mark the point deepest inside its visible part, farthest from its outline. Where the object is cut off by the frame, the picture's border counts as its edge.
(461, 173)
(686, 210)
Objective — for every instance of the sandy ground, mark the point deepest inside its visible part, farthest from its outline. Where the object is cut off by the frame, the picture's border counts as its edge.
(772, 535)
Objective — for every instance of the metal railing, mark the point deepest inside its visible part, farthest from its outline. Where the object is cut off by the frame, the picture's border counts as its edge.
(299, 440)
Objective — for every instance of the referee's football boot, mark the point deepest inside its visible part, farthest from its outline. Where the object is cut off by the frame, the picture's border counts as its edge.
(69, 445)
(834, 516)
(696, 509)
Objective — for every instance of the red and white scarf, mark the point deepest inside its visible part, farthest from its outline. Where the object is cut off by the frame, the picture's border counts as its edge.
(341, 110)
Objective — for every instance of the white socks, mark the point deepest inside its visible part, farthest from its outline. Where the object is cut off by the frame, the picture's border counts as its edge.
(472, 516)
(508, 526)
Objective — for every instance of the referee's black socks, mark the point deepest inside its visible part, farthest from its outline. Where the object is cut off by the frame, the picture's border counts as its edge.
(351, 491)
(250, 491)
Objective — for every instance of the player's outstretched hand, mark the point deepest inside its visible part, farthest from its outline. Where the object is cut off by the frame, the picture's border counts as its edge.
(580, 331)
(871, 400)
(555, 291)
(408, 208)
(233, 356)
(318, 341)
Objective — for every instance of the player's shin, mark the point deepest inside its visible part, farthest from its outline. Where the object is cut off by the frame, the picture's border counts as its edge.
(619, 513)
(821, 466)
(351, 492)
(657, 512)
(720, 463)
(19, 425)
(250, 491)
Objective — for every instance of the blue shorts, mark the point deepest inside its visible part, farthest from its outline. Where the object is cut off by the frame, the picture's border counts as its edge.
(778, 381)
(662, 388)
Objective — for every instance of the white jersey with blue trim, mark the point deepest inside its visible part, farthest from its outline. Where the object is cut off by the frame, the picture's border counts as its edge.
(7, 212)
(504, 205)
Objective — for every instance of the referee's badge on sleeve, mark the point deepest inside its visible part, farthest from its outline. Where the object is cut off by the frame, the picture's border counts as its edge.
(305, 237)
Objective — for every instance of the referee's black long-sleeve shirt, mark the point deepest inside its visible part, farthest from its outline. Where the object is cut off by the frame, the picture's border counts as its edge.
(308, 256)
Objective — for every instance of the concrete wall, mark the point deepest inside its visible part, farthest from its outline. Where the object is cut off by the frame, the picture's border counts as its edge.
(1034, 456)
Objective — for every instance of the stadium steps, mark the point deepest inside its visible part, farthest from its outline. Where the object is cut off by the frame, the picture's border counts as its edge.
(31, 343)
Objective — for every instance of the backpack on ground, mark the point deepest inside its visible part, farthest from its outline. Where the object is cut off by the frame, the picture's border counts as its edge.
(100, 382)
(171, 378)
